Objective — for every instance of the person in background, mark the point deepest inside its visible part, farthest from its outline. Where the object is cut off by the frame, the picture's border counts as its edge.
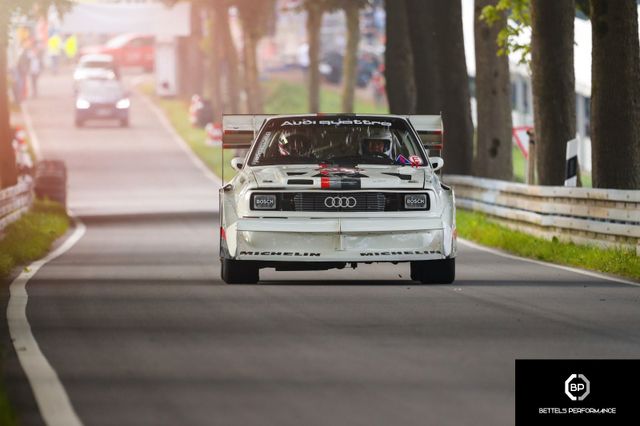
(14, 80)
(35, 67)
(378, 84)
(71, 48)
(54, 47)
(23, 67)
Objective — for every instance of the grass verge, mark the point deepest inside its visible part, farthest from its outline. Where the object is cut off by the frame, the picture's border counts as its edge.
(479, 228)
(30, 237)
(284, 97)
(27, 239)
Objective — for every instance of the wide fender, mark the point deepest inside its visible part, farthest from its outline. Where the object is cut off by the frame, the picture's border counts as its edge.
(450, 245)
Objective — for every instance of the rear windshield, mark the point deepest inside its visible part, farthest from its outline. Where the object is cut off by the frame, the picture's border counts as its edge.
(102, 88)
(337, 140)
(97, 64)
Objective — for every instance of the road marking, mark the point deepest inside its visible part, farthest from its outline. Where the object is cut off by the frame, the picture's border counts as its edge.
(178, 139)
(552, 265)
(33, 136)
(51, 397)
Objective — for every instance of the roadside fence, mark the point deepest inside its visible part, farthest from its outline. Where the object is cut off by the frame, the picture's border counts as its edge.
(602, 217)
(14, 201)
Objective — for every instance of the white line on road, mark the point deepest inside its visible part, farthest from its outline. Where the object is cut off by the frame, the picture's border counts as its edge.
(552, 265)
(51, 397)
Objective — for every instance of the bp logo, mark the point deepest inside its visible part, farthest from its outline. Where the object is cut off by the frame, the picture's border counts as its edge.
(577, 387)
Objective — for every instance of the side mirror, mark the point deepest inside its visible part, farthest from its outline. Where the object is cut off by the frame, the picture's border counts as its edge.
(236, 163)
(436, 163)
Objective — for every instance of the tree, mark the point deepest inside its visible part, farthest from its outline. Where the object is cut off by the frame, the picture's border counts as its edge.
(230, 59)
(553, 84)
(401, 86)
(256, 18)
(441, 77)
(420, 23)
(350, 63)
(217, 13)
(493, 98)
(8, 172)
(315, 10)
(615, 95)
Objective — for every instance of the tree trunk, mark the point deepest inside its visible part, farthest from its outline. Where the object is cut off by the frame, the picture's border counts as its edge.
(493, 97)
(8, 171)
(231, 60)
(400, 82)
(251, 73)
(615, 95)
(441, 77)
(423, 43)
(314, 21)
(350, 68)
(553, 84)
(195, 68)
(215, 83)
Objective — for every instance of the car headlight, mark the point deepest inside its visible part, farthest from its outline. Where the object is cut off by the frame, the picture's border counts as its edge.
(263, 202)
(83, 104)
(416, 202)
(123, 103)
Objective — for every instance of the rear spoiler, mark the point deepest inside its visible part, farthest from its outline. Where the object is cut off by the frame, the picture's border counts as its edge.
(431, 131)
(239, 130)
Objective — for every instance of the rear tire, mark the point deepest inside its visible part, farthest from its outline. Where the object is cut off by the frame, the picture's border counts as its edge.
(239, 272)
(434, 271)
(79, 123)
(124, 122)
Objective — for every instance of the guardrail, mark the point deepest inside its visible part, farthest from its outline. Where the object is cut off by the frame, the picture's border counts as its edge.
(603, 217)
(14, 201)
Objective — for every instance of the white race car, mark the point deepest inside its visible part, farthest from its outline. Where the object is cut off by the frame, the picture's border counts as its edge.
(316, 192)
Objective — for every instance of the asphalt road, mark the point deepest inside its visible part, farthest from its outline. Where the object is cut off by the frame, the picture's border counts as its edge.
(141, 331)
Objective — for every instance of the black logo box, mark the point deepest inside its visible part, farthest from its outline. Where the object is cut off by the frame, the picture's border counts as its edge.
(540, 384)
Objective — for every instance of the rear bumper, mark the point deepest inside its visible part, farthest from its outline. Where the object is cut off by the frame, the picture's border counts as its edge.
(339, 240)
(106, 113)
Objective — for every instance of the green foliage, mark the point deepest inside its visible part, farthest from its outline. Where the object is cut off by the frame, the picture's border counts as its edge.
(518, 20)
(479, 228)
(31, 236)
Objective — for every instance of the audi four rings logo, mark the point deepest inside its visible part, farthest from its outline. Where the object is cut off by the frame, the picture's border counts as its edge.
(344, 202)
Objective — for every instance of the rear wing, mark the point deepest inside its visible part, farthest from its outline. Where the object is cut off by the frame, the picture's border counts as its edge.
(239, 131)
(431, 131)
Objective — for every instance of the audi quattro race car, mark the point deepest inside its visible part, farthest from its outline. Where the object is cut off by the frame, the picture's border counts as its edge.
(316, 192)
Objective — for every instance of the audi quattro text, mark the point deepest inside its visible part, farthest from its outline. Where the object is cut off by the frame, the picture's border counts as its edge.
(316, 192)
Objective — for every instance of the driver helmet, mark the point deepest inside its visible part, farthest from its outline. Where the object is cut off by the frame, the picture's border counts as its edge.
(377, 142)
(290, 144)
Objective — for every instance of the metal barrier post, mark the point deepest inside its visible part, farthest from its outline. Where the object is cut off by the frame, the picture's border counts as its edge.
(531, 164)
